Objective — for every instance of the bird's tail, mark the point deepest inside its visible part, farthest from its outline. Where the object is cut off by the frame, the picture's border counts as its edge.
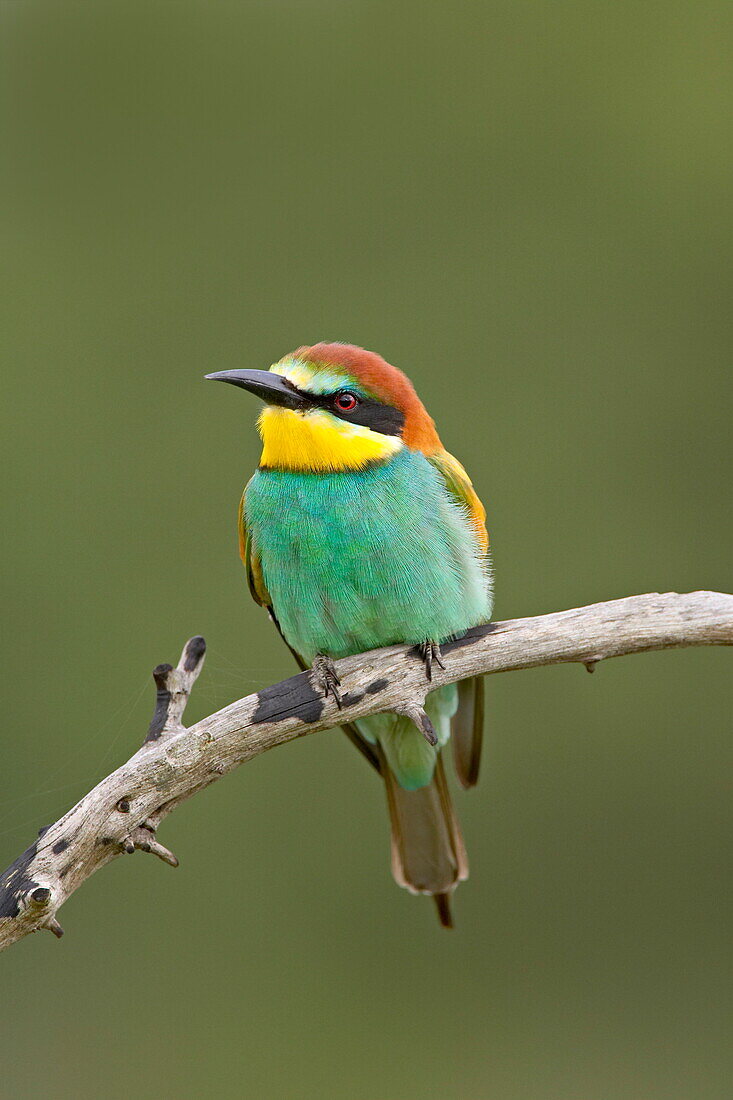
(428, 854)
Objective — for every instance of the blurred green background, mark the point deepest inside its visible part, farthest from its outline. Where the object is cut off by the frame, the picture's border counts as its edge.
(526, 206)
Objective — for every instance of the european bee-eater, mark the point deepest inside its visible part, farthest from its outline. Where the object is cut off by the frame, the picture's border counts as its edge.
(359, 530)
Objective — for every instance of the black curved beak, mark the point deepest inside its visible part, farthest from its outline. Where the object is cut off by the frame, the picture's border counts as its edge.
(269, 387)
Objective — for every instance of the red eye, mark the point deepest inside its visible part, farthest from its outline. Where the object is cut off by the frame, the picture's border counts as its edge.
(345, 402)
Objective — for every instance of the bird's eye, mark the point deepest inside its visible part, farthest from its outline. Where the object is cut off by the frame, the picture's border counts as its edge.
(345, 401)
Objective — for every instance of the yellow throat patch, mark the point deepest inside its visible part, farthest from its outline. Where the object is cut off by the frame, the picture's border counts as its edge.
(318, 442)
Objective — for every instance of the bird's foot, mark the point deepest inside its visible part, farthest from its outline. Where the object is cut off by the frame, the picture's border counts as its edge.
(325, 677)
(429, 652)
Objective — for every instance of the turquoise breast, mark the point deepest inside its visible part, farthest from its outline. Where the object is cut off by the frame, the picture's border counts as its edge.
(359, 559)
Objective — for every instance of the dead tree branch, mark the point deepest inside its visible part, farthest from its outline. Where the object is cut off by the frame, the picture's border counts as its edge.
(122, 813)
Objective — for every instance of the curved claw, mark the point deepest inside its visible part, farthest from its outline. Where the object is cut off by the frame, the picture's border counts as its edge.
(429, 652)
(326, 678)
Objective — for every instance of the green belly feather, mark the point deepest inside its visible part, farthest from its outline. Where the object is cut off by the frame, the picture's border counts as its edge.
(360, 559)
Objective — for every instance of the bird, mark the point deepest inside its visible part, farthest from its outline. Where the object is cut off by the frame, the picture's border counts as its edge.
(359, 530)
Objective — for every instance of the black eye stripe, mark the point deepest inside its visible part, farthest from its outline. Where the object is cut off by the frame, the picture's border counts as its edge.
(368, 413)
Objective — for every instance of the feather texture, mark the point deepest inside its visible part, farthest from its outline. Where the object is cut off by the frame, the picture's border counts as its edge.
(357, 560)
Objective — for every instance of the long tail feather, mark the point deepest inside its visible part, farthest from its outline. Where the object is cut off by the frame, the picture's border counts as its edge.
(428, 854)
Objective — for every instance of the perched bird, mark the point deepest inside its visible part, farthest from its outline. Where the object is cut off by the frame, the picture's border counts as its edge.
(359, 530)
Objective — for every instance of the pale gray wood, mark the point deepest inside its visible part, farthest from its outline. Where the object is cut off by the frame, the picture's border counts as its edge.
(122, 813)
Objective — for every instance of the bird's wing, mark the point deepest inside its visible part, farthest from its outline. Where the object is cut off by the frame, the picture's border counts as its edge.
(460, 487)
(260, 595)
(251, 559)
(467, 724)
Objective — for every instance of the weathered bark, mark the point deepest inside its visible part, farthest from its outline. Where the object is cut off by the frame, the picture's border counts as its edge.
(122, 813)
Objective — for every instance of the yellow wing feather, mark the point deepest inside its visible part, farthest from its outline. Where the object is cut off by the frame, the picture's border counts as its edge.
(460, 486)
(467, 724)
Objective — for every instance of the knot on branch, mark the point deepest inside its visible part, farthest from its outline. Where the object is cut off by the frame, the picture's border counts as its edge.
(418, 716)
(37, 903)
(141, 838)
